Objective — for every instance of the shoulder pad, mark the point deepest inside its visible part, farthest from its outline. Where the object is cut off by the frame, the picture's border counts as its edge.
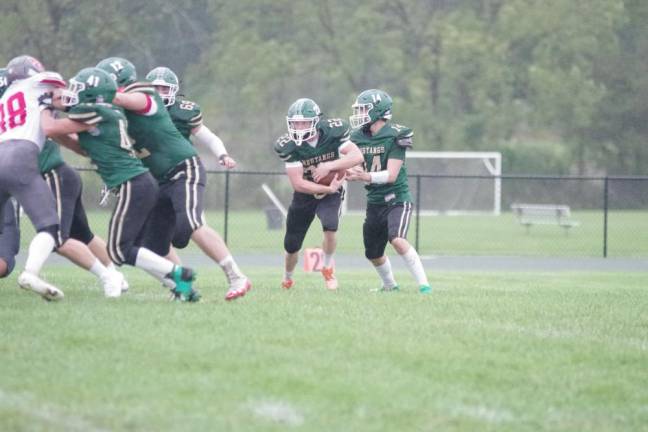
(50, 78)
(335, 127)
(85, 113)
(404, 135)
(284, 146)
(190, 111)
(140, 87)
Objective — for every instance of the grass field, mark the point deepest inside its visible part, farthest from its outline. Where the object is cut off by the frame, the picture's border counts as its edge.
(483, 352)
(442, 235)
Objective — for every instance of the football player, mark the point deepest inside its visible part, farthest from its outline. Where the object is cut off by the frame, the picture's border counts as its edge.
(101, 129)
(79, 244)
(65, 184)
(313, 147)
(22, 136)
(9, 238)
(187, 118)
(389, 203)
(187, 115)
(178, 214)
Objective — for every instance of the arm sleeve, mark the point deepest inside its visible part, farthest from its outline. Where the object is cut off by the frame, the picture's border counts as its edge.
(211, 141)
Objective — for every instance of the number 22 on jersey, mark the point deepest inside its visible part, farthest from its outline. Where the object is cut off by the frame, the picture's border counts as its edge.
(13, 112)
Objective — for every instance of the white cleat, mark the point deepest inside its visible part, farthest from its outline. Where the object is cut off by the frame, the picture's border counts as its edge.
(31, 282)
(112, 284)
(124, 282)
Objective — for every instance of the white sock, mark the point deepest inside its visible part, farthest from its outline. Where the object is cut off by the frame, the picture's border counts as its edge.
(111, 267)
(415, 266)
(40, 249)
(168, 283)
(99, 270)
(230, 268)
(153, 263)
(327, 259)
(385, 272)
(288, 275)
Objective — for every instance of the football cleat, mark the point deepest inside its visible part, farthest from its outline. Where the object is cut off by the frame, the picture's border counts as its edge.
(31, 282)
(425, 289)
(329, 278)
(124, 282)
(287, 283)
(183, 278)
(112, 284)
(238, 288)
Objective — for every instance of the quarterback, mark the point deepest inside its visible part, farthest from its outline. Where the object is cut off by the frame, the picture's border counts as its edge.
(389, 203)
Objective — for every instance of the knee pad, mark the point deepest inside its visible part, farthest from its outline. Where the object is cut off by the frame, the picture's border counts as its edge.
(181, 236)
(293, 241)
(372, 254)
(81, 233)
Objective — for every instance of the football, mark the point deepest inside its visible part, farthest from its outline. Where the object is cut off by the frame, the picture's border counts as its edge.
(329, 177)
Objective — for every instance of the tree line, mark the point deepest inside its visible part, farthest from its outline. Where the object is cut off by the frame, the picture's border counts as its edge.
(558, 86)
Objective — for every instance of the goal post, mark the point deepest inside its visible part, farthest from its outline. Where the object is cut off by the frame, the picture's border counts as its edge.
(452, 183)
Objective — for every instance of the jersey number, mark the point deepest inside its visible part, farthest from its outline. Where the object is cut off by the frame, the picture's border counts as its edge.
(124, 139)
(335, 123)
(375, 164)
(14, 113)
(185, 105)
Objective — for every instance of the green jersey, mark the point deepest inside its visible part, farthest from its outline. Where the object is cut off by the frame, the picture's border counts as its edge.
(157, 141)
(390, 142)
(50, 157)
(107, 144)
(332, 133)
(186, 116)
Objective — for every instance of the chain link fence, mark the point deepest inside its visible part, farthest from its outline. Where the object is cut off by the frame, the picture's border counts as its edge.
(454, 215)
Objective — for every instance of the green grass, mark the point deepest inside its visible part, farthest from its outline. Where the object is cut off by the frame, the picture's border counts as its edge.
(487, 352)
(442, 235)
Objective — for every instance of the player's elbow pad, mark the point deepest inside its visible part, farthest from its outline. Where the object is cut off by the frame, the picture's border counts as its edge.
(209, 139)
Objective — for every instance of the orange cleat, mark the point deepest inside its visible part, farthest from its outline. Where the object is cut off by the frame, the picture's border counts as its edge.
(238, 289)
(287, 283)
(329, 278)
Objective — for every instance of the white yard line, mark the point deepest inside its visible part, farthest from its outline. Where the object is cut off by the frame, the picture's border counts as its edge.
(48, 413)
(278, 412)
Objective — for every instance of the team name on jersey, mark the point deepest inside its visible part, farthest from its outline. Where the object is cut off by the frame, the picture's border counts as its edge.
(318, 159)
(373, 150)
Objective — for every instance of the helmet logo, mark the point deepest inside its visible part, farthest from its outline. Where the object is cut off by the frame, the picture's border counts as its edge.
(376, 98)
(117, 66)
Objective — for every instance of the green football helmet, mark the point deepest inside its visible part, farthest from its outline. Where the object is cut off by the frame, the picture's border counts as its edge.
(120, 69)
(302, 119)
(89, 85)
(371, 106)
(165, 82)
(3, 81)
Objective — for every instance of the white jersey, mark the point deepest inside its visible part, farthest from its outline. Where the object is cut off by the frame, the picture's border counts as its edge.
(19, 110)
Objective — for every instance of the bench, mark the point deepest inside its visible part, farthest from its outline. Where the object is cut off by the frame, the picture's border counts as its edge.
(544, 214)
